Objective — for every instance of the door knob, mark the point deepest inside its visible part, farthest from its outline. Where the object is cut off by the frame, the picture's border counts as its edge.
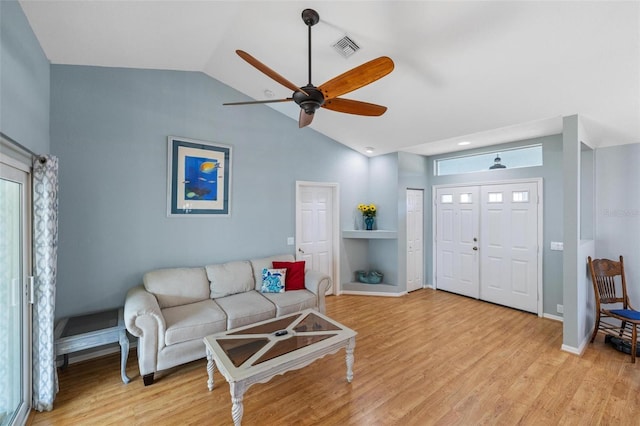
(475, 248)
(301, 251)
(475, 239)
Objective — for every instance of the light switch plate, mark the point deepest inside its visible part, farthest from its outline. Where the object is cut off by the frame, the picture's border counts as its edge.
(290, 241)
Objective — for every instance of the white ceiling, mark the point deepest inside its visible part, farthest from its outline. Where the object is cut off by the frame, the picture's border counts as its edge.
(479, 71)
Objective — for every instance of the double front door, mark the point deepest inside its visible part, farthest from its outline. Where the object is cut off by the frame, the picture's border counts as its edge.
(487, 242)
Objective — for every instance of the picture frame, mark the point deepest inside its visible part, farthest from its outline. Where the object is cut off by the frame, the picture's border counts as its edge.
(199, 178)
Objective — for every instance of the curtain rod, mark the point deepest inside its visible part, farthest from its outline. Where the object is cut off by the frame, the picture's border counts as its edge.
(22, 147)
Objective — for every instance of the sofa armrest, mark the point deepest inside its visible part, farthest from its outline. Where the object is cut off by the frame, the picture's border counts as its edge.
(318, 283)
(144, 320)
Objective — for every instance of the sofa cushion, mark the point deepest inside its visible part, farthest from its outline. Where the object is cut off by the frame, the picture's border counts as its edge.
(295, 274)
(193, 321)
(177, 286)
(267, 262)
(230, 278)
(246, 308)
(292, 301)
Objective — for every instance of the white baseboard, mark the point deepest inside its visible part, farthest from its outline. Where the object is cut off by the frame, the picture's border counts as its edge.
(553, 317)
(373, 293)
(571, 349)
(580, 349)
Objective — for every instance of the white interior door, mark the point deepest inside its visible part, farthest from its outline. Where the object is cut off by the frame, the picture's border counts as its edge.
(457, 213)
(509, 245)
(415, 240)
(315, 228)
(14, 311)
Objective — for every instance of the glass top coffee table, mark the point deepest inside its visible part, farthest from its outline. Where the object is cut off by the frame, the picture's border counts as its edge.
(92, 330)
(258, 352)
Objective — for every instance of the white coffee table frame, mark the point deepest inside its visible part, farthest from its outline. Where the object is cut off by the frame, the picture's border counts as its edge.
(242, 377)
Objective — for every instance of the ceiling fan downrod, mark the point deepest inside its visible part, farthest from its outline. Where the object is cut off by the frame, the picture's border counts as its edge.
(310, 17)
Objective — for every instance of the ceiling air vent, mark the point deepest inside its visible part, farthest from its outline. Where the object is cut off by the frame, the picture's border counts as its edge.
(346, 47)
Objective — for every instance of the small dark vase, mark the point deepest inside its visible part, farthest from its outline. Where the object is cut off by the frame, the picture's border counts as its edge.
(368, 223)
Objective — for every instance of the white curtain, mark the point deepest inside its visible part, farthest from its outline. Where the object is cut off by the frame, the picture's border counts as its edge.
(45, 247)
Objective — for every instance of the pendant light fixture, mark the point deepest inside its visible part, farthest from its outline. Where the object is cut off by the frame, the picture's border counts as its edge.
(497, 163)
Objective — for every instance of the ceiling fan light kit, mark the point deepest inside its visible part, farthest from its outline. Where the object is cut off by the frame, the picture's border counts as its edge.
(310, 97)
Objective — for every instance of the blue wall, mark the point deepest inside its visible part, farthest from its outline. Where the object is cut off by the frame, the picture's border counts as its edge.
(24, 81)
(109, 127)
(617, 211)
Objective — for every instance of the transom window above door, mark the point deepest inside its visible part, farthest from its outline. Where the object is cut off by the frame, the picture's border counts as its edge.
(512, 158)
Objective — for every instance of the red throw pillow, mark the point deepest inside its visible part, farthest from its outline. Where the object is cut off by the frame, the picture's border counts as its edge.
(295, 274)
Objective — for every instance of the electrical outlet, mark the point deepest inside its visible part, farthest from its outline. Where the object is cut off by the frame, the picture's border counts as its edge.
(557, 246)
(560, 309)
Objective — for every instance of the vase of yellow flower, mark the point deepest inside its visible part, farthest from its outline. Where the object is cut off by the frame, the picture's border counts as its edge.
(368, 215)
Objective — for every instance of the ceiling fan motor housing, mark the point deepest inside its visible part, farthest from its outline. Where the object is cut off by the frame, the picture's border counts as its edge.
(309, 103)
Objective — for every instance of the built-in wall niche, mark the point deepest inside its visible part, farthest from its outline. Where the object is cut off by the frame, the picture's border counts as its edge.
(362, 251)
(366, 241)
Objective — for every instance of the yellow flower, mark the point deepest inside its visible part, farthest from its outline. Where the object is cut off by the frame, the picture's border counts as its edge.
(368, 210)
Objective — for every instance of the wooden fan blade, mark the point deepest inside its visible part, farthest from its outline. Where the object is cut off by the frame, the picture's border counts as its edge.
(305, 119)
(268, 71)
(357, 77)
(354, 107)
(268, 101)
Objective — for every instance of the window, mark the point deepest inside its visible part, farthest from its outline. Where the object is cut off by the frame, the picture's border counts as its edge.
(495, 197)
(466, 198)
(446, 199)
(526, 156)
(520, 196)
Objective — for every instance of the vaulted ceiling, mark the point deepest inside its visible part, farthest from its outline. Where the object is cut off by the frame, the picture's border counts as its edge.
(480, 71)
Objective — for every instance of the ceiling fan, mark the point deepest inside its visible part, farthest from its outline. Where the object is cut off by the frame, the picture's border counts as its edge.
(310, 97)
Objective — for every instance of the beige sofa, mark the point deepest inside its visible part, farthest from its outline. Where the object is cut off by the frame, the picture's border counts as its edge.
(175, 308)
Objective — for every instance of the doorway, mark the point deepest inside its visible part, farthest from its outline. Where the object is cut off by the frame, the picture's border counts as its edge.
(317, 228)
(487, 242)
(15, 365)
(415, 239)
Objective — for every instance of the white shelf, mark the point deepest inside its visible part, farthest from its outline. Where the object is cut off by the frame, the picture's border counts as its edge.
(377, 234)
(381, 289)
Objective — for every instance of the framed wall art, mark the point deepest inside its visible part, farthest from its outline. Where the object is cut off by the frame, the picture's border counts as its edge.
(199, 178)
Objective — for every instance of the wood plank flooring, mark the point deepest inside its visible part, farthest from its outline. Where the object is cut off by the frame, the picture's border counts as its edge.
(429, 358)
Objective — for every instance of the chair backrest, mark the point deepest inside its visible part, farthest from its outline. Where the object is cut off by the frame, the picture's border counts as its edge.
(603, 275)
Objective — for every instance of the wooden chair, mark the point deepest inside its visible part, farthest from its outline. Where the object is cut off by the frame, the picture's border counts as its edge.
(619, 321)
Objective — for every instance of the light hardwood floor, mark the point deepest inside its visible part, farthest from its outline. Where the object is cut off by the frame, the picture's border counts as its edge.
(427, 358)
